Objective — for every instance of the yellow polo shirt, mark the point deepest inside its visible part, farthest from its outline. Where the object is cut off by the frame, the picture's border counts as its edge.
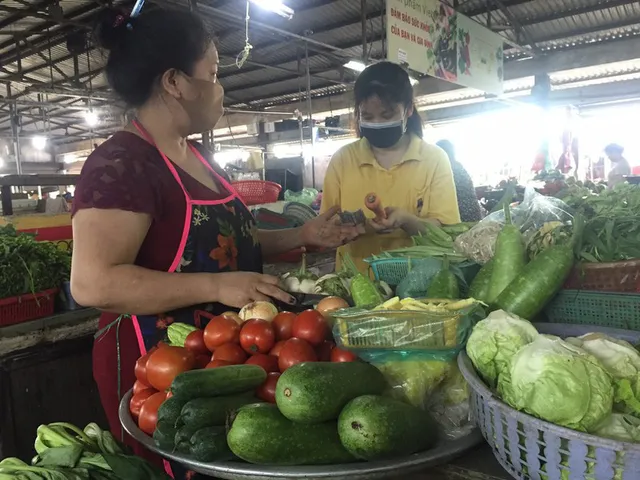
(422, 184)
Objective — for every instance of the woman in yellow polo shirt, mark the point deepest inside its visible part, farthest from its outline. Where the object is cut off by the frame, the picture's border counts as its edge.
(412, 178)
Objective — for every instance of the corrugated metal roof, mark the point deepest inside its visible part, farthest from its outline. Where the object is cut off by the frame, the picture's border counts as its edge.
(552, 24)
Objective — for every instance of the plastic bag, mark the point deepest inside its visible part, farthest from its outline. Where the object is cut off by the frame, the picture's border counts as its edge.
(422, 271)
(428, 381)
(535, 210)
(307, 196)
(436, 331)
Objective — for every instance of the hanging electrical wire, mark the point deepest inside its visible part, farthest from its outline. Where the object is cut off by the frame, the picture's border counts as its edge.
(243, 56)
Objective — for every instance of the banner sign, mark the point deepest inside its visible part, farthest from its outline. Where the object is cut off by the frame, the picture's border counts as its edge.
(431, 38)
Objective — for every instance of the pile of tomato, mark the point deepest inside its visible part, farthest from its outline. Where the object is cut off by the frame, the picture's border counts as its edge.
(286, 340)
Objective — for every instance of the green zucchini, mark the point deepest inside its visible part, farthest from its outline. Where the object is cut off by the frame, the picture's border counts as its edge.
(182, 440)
(210, 445)
(376, 428)
(164, 436)
(481, 284)
(444, 283)
(316, 392)
(215, 382)
(509, 258)
(541, 278)
(213, 411)
(170, 410)
(261, 434)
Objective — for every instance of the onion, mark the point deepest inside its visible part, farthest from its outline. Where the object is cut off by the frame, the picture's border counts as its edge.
(233, 315)
(258, 310)
(331, 304)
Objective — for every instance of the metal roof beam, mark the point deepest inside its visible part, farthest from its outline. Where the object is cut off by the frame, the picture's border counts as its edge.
(626, 22)
(26, 12)
(515, 23)
(572, 11)
(490, 8)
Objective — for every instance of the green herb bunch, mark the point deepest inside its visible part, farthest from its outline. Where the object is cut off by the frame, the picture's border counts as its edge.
(28, 266)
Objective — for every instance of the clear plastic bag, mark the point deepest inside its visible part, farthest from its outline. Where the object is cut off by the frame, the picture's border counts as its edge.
(443, 328)
(535, 210)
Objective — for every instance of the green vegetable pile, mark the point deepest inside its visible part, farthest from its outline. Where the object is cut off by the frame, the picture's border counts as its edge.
(67, 453)
(324, 413)
(590, 383)
(27, 266)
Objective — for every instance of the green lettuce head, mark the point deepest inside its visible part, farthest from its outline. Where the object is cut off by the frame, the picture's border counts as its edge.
(560, 383)
(495, 340)
(622, 361)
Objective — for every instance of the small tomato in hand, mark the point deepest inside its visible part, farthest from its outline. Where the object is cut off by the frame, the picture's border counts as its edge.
(324, 351)
(275, 351)
(283, 325)
(217, 363)
(267, 391)
(195, 343)
(340, 355)
(137, 400)
(269, 363)
(295, 351)
(257, 336)
(311, 326)
(167, 363)
(148, 417)
(220, 330)
(230, 352)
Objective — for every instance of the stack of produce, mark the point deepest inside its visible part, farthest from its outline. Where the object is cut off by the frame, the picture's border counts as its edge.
(64, 452)
(27, 266)
(590, 383)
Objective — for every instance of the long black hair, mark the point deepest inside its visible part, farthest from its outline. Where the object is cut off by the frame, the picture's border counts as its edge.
(392, 85)
(142, 49)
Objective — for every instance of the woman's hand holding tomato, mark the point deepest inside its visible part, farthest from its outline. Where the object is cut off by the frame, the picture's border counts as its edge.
(257, 336)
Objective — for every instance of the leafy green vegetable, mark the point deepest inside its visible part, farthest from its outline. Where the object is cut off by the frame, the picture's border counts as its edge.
(559, 383)
(495, 340)
(617, 426)
(27, 266)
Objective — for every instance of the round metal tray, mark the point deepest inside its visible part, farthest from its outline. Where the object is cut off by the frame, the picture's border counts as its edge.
(444, 452)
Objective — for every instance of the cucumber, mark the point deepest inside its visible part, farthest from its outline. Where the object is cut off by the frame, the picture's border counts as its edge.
(170, 410)
(214, 411)
(182, 440)
(210, 445)
(316, 392)
(164, 436)
(480, 285)
(261, 434)
(375, 428)
(215, 382)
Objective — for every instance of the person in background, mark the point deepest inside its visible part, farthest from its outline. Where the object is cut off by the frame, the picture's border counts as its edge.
(160, 235)
(465, 191)
(412, 179)
(619, 165)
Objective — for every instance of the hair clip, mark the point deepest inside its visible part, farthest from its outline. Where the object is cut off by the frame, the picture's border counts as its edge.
(119, 21)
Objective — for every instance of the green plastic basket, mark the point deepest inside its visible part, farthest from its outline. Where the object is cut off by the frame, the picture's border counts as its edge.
(617, 310)
(393, 270)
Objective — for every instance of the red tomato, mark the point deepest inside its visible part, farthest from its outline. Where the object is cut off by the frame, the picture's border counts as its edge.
(230, 352)
(137, 400)
(283, 325)
(268, 362)
(267, 391)
(139, 387)
(339, 355)
(324, 350)
(166, 363)
(311, 326)
(217, 363)
(195, 343)
(275, 351)
(257, 336)
(220, 330)
(295, 351)
(148, 417)
(141, 367)
(202, 360)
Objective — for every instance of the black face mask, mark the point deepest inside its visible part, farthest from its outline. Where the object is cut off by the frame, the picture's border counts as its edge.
(382, 135)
